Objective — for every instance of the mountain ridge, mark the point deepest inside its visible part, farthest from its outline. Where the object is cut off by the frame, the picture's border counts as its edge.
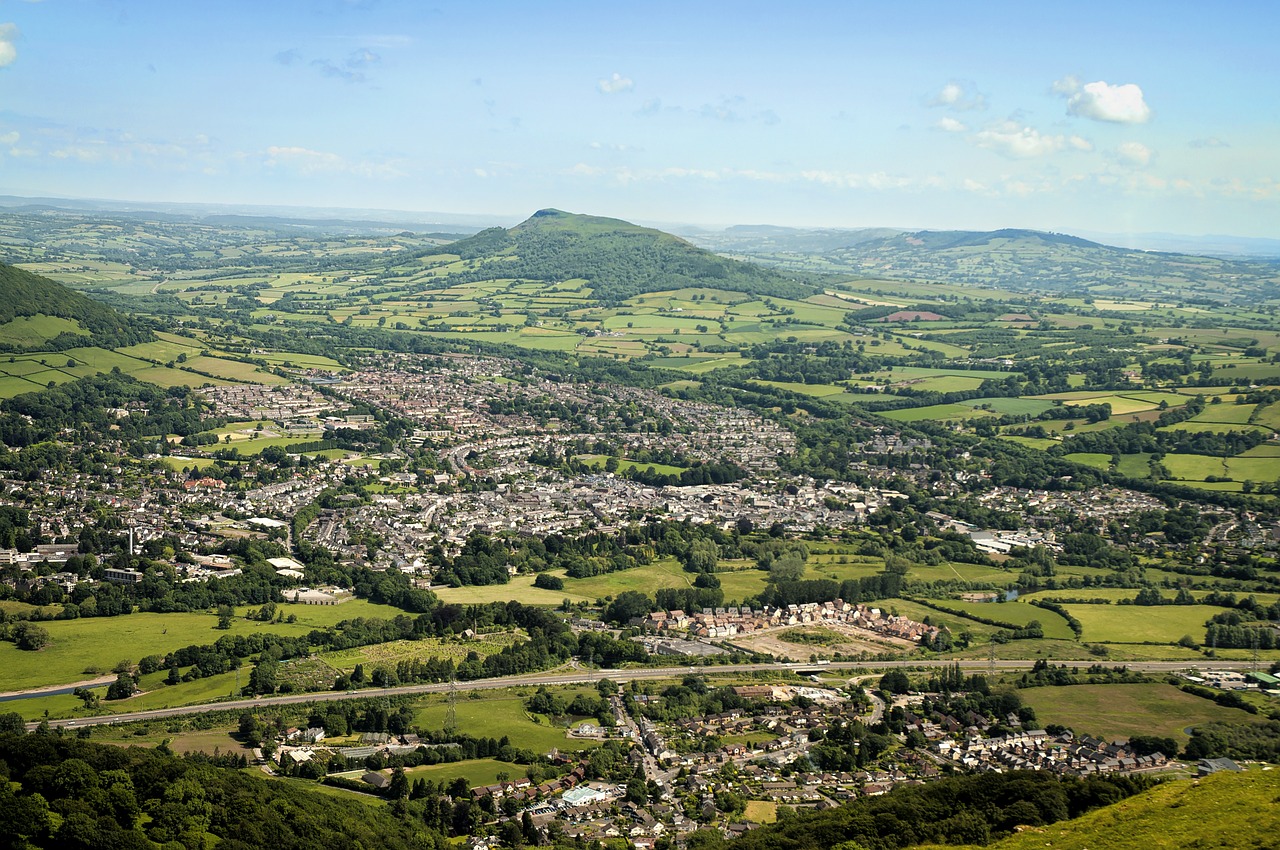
(618, 259)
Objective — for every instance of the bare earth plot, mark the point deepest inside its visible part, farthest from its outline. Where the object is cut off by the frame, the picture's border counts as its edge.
(845, 639)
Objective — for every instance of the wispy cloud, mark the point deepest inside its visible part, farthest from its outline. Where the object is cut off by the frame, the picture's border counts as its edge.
(363, 58)
(303, 159)
(352, 69)
(958, 96)
(1210, 142)
(8, 52)
(1135, 154)
(732, 110)
(617, 84)
(616, 147)
(1018, 141)
(309, 163)
(951, 125)
(1101, 101)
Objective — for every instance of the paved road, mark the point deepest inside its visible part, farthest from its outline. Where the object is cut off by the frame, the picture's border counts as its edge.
(577, 677)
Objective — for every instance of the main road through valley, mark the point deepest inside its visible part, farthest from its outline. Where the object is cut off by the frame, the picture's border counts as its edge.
(585, 676)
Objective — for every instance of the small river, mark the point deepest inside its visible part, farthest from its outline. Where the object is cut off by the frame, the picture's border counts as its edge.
(51, 693)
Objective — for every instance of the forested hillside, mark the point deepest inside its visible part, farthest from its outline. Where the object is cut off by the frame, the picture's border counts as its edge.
(618, 259)
(64, 793)
(25, 294)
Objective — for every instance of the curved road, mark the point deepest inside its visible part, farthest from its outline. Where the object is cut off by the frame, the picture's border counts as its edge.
(578, 677)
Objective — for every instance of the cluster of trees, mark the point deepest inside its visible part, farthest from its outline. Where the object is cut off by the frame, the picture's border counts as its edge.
(693, 697)
(70, 794)
(162, 588)
(1044, 674)
(885, 585)
(1240, 634)
(551, 641)
(1151, 597)
(488, 560)
(1245, 741)
(582, 705)
(86, 405)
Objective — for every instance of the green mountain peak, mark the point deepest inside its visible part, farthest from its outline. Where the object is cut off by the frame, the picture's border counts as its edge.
(618, 259)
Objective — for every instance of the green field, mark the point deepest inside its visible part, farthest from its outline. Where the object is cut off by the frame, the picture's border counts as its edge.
(28, 331)
(816, 390)
(1093, 459)
(520, 587)
(493, 714)
(100, 642)
(626, 465)
(1141, 624)
(1015, 406)
(1016, 613)
(475, 771)
(1135, 465)
(1199, 467)
(939, 412)
(392, 653)
(1118, 711)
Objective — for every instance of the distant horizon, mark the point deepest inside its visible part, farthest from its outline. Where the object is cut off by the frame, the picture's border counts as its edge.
(1228, 244)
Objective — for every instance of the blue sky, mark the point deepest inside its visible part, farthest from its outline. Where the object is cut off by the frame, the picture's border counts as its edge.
(1119, 117)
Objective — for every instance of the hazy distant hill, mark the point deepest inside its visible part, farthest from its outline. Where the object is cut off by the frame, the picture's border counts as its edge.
(757, 238)
(24, 295)
(1019, 260)
(617, 258)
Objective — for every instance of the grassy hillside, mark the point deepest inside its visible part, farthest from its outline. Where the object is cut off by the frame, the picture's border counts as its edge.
(24, 295)
(1227, 810)
(617, 259)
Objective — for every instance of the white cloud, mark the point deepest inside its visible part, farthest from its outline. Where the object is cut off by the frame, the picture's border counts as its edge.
(616, 84)
(1080, 143)
(735, 109)
(308, 163)
(1210, 142)
(877, 180)
(8, 53)
(304, 160)
(951, 125)
(1017, 141)
(959, 97)
(1102, 101)
(10, 138)
(1135, 154)
(616, 147)
(1067, 86)
(726, 110)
